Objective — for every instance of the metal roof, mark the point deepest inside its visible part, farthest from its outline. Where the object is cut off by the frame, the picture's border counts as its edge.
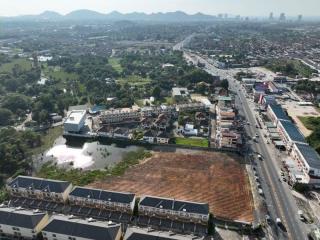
(175, 205)
(278, 111)
(310, 155)
(20, 218)
(103, 195)
(293, 132)
(143, 234)
(82, 228)
(40, 184)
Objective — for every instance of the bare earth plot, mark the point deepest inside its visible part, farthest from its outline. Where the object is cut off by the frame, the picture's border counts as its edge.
(214, 178)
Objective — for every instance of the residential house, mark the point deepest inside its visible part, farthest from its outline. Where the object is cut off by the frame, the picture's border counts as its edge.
(39, 188)
(121, 132)
(189, 130)
(146, 122)
(18, 223)
(149, 136)
(162, 122)
(71, 228)
(163, 137)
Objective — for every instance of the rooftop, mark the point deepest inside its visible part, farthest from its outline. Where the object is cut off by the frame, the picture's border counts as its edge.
(180, 91)
(20, 218)
(110, 196)
(75, 116)
(40, 184)
(278, 111)
(310, 155)
(83, 228)
(176, 205)
(292, 131)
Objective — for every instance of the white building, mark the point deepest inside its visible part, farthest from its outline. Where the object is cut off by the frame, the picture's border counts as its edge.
(180, 92)
(120, 115)
(75, 121)
(17, 223)
(71, 228)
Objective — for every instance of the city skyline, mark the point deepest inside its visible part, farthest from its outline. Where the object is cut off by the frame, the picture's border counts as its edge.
(212, 7)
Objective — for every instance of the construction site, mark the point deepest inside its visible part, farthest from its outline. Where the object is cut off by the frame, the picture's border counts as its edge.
(218, 179)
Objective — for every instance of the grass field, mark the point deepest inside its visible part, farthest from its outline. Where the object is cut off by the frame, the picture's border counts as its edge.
(23, 63)
(310, 123)
(134, 80)
(115, 63)
(197, 142)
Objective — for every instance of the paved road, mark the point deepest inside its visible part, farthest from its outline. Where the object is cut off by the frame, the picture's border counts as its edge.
(278, 197)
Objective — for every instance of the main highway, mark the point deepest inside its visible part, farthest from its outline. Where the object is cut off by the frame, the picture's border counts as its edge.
(277, 195)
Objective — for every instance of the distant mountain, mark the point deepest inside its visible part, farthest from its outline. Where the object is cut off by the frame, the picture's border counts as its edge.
(84, 14)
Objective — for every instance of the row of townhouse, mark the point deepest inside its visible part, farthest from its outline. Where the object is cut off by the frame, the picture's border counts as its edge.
(102, 205)
(226, 134)
(307, 169)
(136, 113)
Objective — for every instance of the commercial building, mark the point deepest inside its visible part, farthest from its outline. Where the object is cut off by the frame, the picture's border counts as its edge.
(71, 228)
(21, 224)
(275, 113)
(229, 139)
(75, 121)
(308, 159)
(39, 188)
(289, 134)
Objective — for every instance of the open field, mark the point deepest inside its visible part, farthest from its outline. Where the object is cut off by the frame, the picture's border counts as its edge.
(197, 142)
(215, 178)
(23, 63)
(134, 80)
(310, 123)
(115, 63)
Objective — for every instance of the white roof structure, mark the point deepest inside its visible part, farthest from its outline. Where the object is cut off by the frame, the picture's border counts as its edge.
(180, 91)
(75, 117)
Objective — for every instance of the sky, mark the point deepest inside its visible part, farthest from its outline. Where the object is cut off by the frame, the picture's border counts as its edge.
(235, 7)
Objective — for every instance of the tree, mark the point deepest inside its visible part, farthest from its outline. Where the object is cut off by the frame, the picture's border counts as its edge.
(156, 92)
(15, 101)
(5, 116)
(225, 84)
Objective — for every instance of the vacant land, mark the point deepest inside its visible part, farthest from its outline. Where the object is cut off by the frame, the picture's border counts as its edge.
(215, 178)
(197, 142)
(23, 64)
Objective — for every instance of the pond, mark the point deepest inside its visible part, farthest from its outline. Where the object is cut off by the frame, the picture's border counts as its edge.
(88, 155)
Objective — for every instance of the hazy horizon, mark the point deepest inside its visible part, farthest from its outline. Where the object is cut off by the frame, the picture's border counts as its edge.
(213, 7)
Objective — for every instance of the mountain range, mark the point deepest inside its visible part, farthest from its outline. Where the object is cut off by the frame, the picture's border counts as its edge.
(80, 15)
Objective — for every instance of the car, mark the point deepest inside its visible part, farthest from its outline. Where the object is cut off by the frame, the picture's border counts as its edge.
(268, 218)
(260, 157)
(257, 135)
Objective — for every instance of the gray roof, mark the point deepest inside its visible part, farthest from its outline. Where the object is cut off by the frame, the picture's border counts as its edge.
(293, 132)
(83, 229)
(278, 111)
(133, 233)
(20, 218)
(310, 155)
(176, 205)
(39, 184)
(99, 194)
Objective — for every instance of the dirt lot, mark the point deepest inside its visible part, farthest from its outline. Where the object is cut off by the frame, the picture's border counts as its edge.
(214, 178)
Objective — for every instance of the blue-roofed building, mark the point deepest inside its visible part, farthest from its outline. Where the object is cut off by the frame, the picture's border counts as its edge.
(290, 134)
(276, 113)
(307, 158)
(39, 188)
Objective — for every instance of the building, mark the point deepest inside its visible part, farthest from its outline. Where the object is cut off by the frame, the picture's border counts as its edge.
(163, 138)
(18, 223)
(190, 107)
(75, 121)
(149, 136)
(39, 188)
(275, 113)
(71, 228)
(289, 134)
(120, 115)
(180, 92)
(229, 139)
(97, 198)
(189, 130)
(308, 159)
(175, 209)
(135, 233)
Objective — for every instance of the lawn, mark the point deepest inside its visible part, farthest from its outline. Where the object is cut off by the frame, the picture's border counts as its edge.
(23, 63)
(196, 142)
(310, 123)
(115, 63)
(48, 139)
(58, 74)
(134, 80)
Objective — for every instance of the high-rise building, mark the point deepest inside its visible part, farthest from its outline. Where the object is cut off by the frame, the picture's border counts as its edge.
(299, 18)
(282, 17)
(271, 16)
